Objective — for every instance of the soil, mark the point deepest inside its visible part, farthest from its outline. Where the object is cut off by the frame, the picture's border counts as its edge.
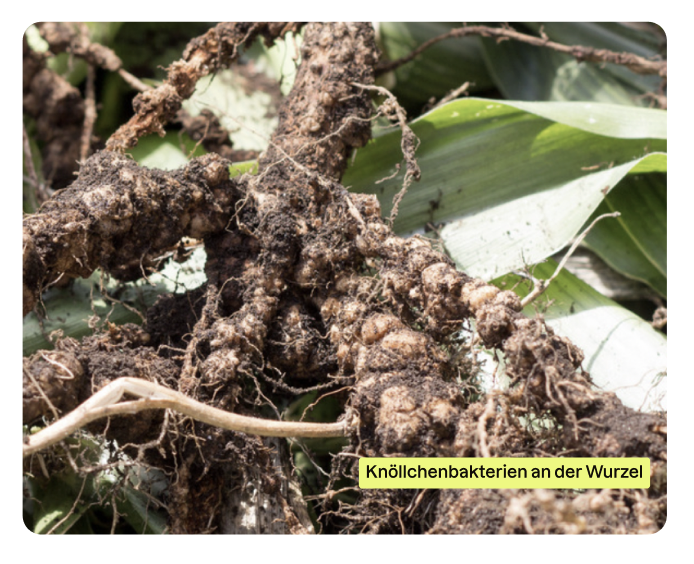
(309, 290)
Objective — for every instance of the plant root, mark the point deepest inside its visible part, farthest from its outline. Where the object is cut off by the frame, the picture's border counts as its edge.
(302, 273)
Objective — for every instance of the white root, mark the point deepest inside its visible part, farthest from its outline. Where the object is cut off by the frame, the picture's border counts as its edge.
(105, 403)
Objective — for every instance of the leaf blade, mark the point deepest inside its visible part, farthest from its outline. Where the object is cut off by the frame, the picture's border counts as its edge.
(479, 158)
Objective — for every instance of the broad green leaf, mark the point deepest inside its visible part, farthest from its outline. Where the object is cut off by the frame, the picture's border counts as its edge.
(69, 310)
(520, 71)
(636, 243)
(514, 185)
(529, 228)
(623, 353)
(140, 512)
(525, 72)
(64, 499)
(436, 71)
(656, 162)
(610, 120)
(575, 81)
(55, 514)
(137, 500)
(61, 503)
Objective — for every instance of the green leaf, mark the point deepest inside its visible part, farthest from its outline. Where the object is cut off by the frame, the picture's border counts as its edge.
(623, 353)
(656, 162)
(138, 499)
(139, 511)
(611, 120)
(103, 32)
(62, 502)
(526, 229)
(280, 60)
(636, 244)
(527, 72)
(616, 37)
(64, 499)
(514, 185)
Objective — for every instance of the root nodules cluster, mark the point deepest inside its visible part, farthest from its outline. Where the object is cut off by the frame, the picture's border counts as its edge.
(119, 217)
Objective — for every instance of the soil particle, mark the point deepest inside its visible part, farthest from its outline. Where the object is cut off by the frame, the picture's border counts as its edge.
(206, 129)
(613, 430)
(51, 378)
(470, 512)
(172, 317)
(546, 512)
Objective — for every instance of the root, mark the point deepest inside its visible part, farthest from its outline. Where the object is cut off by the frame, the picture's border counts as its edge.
(59, 113)
(218, 48)
(631, 61)
(390, 108)
(120, 217)
(74, 39)
(104, 403)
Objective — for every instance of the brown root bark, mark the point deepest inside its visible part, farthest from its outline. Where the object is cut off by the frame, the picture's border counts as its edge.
(120, 217)
(214, 50)
(73, 39)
